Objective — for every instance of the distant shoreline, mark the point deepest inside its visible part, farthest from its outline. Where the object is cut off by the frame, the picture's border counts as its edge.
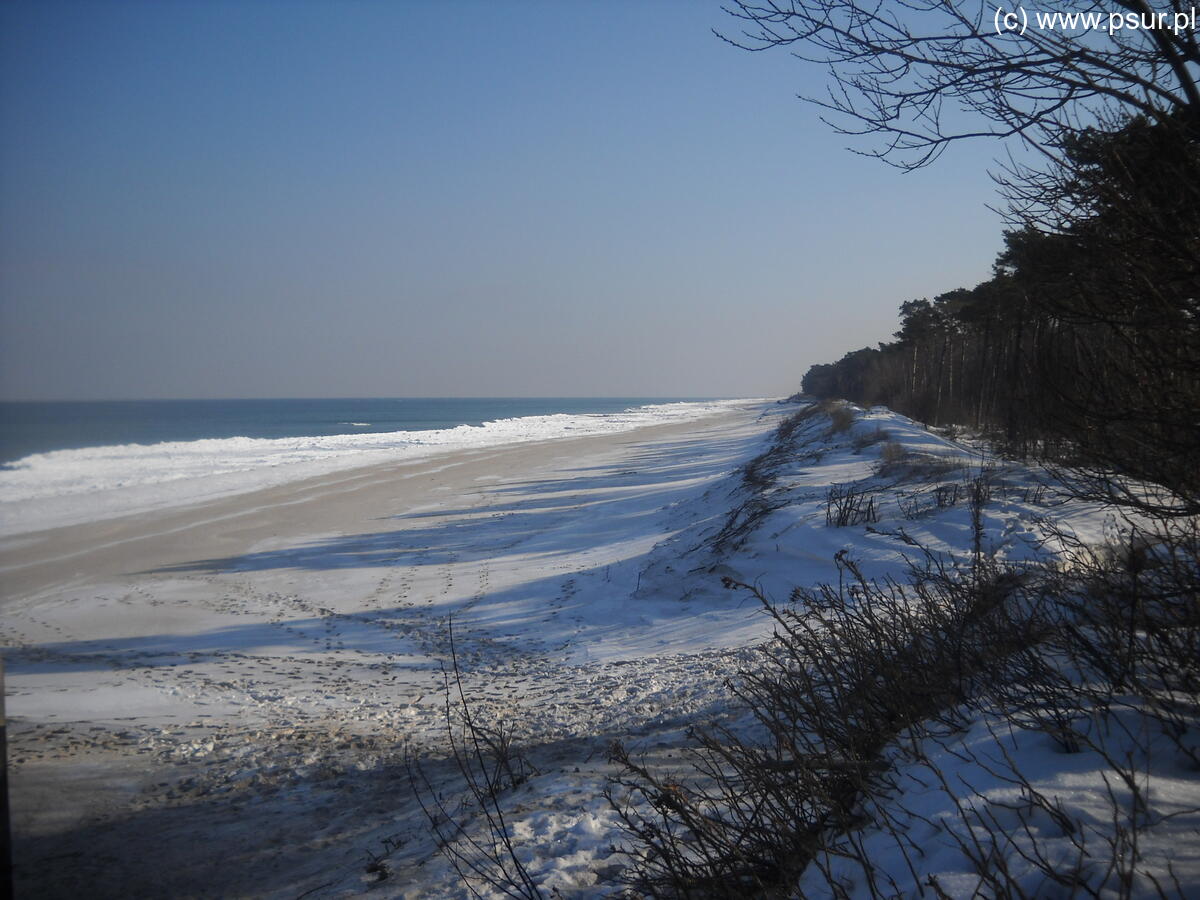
(68, 487)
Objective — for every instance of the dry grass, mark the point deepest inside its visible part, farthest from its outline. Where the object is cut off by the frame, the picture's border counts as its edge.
(841, 415)
(892, 453)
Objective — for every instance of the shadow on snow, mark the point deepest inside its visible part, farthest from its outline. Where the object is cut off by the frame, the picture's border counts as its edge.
(574, 514)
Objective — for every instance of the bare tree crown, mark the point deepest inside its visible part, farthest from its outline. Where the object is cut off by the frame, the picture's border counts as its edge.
(907, 69)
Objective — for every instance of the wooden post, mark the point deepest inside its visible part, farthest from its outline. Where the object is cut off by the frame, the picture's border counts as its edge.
(6, 871)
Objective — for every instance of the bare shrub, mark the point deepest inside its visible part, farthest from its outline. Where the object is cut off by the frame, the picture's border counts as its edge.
(912, 505)
(1100, 652)
(947, 495)
(1129, 630)
(790, 424)
(846, 504)
(841, 415)
(1035, 495)
(977, 491)
(851, 665)
(892, 453)
(869, 438)
(1116, 674)
(926, 466)
(489, 764)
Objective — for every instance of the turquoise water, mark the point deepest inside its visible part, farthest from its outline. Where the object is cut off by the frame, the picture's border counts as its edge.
(37, 427)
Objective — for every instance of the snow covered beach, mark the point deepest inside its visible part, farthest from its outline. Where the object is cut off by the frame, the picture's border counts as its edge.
(55, 487)
(160, 664)
(213, 699)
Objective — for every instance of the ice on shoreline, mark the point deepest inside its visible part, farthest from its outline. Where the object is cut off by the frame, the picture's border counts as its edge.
(67, 487)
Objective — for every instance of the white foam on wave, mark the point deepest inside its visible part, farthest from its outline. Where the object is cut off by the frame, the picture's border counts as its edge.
(64, 487)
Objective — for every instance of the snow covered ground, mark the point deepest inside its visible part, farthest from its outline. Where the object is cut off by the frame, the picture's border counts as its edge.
(218, 700)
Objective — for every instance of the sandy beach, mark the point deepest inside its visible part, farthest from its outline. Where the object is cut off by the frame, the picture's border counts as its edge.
(249, 670)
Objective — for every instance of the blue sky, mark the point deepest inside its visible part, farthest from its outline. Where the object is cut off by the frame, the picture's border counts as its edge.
(258, 199)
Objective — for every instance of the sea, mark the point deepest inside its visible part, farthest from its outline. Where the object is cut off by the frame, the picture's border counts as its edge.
(27, 428)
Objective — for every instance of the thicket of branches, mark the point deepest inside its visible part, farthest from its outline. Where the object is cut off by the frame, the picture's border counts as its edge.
(1084, 346)
(869, 688)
